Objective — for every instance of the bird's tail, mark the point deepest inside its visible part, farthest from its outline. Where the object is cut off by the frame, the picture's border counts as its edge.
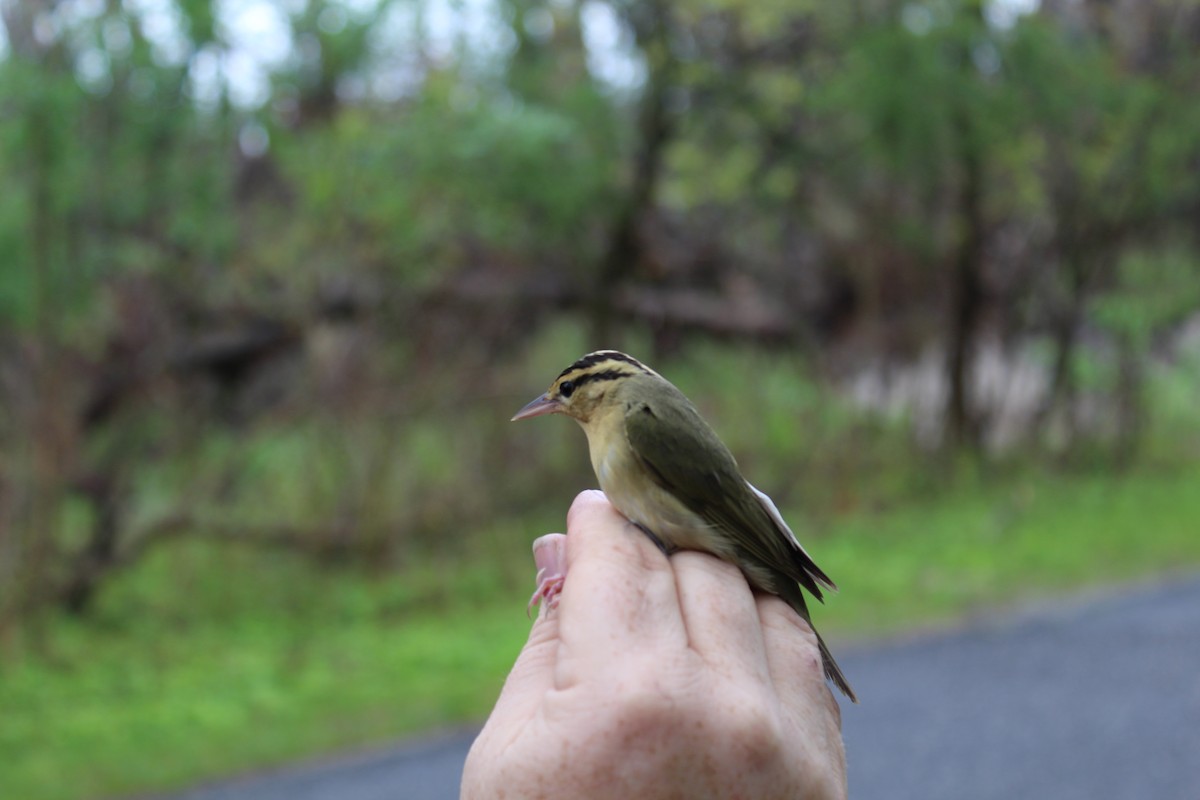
(791, 594)
(832, 671)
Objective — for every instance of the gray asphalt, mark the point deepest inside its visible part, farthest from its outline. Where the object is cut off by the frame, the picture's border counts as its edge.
(1097, 697)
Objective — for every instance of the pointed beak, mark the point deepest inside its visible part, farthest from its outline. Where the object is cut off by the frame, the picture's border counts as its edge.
(540, 406)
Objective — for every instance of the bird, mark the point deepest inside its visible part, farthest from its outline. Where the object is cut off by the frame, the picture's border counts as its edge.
(667, 472)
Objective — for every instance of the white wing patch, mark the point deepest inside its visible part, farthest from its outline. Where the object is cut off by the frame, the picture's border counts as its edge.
(769, 505)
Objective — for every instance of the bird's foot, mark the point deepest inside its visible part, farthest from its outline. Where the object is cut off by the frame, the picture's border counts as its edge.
(550, 555)
(659, 543)
(548, 589)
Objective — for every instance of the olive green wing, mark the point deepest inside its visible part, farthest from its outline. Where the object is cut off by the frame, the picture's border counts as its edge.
(686, 458)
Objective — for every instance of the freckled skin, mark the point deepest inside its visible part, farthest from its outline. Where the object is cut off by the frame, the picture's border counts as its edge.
(658, 678)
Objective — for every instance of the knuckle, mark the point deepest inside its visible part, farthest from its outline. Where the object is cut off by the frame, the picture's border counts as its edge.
(754, 735)
(778, 617)
(643, 713)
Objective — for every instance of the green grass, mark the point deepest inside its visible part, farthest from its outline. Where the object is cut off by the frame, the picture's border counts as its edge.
(983, 548)
(168, 698)
(207, 661)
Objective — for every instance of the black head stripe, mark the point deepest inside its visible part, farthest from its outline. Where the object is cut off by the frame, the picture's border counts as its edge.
(592, 359)
(596, 377)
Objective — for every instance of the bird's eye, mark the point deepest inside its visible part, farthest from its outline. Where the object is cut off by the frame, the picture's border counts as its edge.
(566, 388)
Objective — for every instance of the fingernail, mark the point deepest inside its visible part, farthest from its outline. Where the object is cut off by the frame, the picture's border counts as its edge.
(550, 555)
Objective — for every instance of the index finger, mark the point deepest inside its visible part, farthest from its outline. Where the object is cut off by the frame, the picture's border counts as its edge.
(620, 593)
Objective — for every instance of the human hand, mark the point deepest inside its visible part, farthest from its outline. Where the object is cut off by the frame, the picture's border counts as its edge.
(657, 677)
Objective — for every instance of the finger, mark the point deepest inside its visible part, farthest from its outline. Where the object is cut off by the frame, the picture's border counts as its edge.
(720, 616)
(807, 702)
(794, 662)
(620, 595)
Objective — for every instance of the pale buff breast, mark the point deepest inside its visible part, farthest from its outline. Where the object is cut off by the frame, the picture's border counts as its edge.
(634, 493)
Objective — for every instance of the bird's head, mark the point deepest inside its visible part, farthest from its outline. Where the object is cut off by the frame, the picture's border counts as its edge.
(587, 386)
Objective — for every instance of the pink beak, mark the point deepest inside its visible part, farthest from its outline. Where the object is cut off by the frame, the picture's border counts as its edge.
(540, 406)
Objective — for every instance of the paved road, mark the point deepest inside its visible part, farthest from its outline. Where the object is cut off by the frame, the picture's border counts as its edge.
(1098, 698)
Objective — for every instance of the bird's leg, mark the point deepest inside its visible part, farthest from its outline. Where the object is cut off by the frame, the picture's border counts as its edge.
(666, 549)
(549, 553)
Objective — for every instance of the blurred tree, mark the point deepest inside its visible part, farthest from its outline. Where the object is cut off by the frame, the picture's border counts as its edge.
(133, 195)
(654, 27)
(215, 261)
(1115, 146)
(924, 115)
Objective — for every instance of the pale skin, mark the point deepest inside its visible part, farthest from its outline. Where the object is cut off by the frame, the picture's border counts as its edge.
(657, 678)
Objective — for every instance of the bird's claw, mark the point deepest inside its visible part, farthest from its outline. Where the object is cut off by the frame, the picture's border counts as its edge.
(550, 556)
(548, 589)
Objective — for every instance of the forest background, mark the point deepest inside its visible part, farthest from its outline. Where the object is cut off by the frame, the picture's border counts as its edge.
(274, 274)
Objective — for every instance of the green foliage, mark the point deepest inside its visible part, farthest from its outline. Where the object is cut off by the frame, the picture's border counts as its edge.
(1174, 391)
(792, 436)
(148, 185)
(422, 187)
(1155, 290)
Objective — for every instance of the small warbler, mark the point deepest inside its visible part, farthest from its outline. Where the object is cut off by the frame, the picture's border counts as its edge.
(666, 471)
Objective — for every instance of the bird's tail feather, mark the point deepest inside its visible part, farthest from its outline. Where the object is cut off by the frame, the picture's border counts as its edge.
(832, 671)
(794, 597)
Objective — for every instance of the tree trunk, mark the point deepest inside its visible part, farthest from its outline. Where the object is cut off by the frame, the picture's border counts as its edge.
(656, 127)
(1065, 332)
(1130, 406)
(966, 296)
(99, 557)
